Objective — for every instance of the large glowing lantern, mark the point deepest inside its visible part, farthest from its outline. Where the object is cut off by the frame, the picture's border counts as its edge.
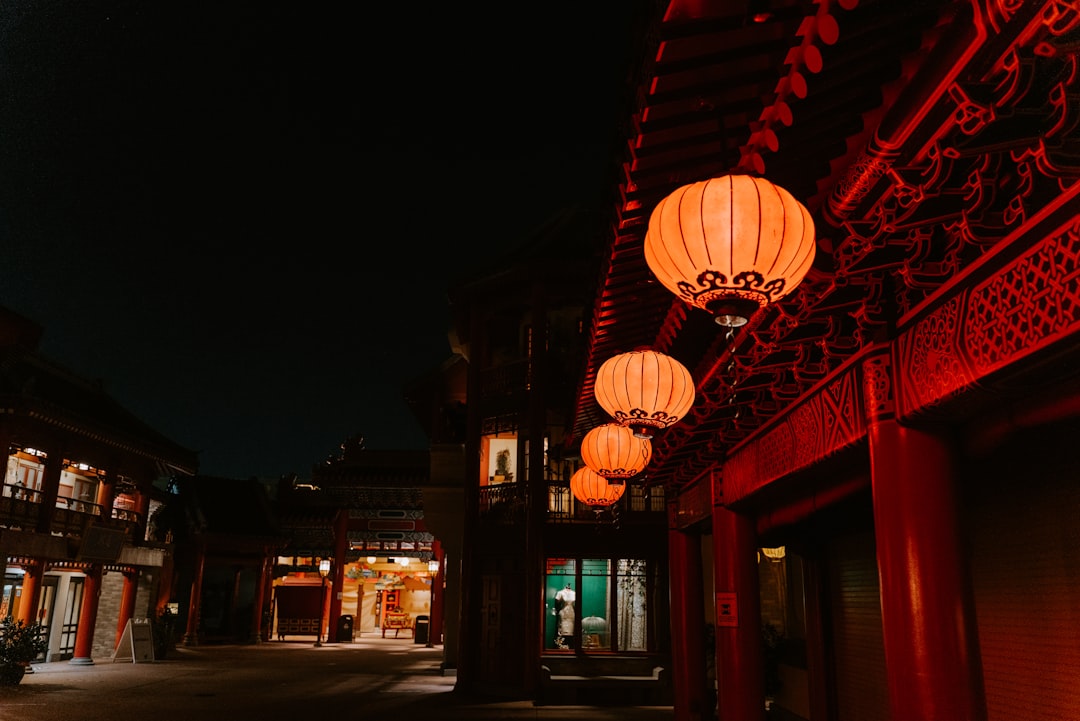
(592, 489)
(730, 245)
(613, 451)
(644, 390)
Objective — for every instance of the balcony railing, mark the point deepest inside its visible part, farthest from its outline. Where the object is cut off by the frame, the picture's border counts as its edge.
(21, 507)
(502, 502)
(636, 503)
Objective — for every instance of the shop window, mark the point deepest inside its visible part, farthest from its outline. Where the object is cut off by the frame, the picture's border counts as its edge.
(598, 603)
(560, 619)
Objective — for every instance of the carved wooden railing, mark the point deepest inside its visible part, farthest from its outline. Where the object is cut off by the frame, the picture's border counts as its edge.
(22, 507)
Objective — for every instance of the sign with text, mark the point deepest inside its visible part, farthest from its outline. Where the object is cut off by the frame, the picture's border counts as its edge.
(727, 608)
(137, 639)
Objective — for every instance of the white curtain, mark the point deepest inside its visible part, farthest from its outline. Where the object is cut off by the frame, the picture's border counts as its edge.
(631, 601)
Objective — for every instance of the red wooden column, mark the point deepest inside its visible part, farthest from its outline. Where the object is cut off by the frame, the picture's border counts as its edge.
(927, 605)
(687, 623)
(166, 583)
(106, 491)
(31, 591)
(84, 635)
(261, 585)
(127, 602)
(740, 663)
(341, 546)
(191, 630)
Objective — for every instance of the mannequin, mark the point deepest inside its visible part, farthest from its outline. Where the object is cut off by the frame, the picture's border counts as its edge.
(564, 599)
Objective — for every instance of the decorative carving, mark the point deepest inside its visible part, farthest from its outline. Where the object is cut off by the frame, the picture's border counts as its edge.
(817, 428)
(1032, 303)
(878, 387)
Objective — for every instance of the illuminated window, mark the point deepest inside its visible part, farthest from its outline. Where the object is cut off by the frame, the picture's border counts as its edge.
(601, 604)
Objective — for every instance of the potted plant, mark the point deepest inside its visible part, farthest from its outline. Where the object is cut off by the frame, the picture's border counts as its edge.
(20, 644)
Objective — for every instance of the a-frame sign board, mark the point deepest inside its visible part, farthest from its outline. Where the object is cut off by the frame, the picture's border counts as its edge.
(137, 640)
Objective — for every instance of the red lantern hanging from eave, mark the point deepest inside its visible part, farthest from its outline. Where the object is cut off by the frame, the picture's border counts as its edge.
(592, 489)
(730, 245)
(613, 451)
(644, 390)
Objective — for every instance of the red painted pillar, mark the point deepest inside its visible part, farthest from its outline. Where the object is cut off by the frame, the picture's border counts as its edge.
(84, 635)
(166, 582)
(127, 603)
(740, 662)
(191, 631)
(106, 491)
(927, 605)
(341, 546)
(31, 592)
(256, 630)
(687, 623)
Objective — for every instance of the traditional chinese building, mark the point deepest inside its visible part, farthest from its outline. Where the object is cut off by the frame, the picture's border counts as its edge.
(870, 506)
(77, 495)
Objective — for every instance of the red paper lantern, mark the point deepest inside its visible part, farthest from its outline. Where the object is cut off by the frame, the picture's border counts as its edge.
(645, 390)
(730, 245)
(593, 489)
(613, 451)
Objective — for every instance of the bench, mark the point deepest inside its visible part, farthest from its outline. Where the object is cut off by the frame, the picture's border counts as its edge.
(646, 687)
(298, 627)
(397, 622)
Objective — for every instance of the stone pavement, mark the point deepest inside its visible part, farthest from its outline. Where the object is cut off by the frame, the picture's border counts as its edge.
(372, 678)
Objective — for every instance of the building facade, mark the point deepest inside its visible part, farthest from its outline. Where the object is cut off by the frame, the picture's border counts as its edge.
(870, 510)
(897, 424)
(80, 486)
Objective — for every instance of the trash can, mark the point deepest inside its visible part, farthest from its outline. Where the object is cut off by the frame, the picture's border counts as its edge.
(421, 628)
(344, 629)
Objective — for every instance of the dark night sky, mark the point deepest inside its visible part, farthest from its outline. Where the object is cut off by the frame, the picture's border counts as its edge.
(244, 220)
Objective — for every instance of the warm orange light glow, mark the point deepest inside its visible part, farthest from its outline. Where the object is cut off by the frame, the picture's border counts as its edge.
(593, 489)
(730, 245)
(644, 389)
(613, 451)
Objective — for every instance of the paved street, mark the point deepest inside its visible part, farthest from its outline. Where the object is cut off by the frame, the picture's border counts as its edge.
(374, 679)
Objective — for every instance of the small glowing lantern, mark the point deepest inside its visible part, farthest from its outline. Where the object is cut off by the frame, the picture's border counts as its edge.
(644, 390)
(613, 451)
(730, 245)
(592, 489)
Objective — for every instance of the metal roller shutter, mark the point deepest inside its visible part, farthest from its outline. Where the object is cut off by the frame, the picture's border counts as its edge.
(862, 692)
(1025, 525)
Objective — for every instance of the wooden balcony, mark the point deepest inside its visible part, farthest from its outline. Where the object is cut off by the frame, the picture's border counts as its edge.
(22, 508)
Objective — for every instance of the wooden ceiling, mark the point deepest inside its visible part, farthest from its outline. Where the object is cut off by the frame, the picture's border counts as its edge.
(919, 135)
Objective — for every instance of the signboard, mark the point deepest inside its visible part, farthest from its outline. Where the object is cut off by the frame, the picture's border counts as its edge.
(137, 640)
(101, 544)
(727, 609)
